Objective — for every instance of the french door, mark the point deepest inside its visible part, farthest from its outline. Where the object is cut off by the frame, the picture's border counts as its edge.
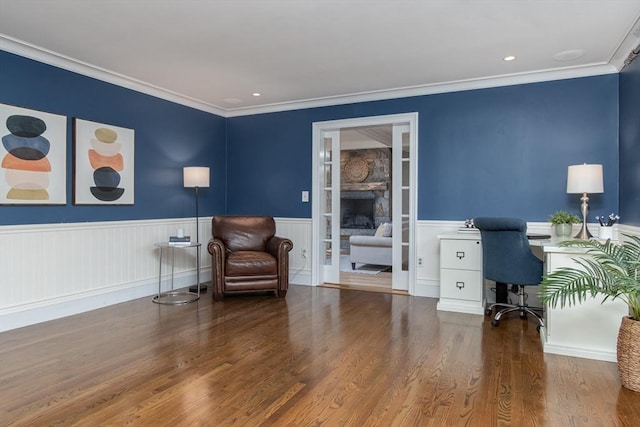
(326, 200)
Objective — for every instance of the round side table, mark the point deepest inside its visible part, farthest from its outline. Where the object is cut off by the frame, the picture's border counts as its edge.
(173, 297)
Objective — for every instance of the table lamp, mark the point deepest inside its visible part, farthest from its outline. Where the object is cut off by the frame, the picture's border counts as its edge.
(584, 179)
(196, 177)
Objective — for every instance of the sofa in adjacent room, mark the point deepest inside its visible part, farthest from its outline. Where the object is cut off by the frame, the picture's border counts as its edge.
(376, 249)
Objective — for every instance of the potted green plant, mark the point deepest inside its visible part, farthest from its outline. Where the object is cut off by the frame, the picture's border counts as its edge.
(563, 221)
(612, 270)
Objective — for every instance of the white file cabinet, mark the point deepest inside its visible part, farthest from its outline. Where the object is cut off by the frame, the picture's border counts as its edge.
(461, 281)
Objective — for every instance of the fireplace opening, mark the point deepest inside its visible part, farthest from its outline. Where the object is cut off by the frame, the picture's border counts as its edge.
(357, 210)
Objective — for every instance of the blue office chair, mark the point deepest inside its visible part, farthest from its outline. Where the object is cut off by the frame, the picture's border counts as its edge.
(507, 258)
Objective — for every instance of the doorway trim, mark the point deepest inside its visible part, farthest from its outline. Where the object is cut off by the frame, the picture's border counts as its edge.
(318, 131)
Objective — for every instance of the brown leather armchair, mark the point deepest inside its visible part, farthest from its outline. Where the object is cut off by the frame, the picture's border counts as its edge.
(247, 256)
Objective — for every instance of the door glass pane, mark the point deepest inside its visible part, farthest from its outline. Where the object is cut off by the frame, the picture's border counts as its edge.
(327, 201)
(406, 195)
(405, 258)
(327, 227)
(405, 202)
(327, 149)
(327, 253)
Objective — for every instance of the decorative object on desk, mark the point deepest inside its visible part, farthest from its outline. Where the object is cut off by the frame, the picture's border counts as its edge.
(607, 221)
(606, 226)
(613, 270)
(469, 227)
(562, 222)
(196, 177)
(584, 179)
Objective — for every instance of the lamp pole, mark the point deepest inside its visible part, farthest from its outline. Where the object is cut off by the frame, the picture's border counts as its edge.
(196, 177)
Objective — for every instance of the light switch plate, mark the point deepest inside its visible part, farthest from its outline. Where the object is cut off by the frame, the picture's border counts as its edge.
(305, 196)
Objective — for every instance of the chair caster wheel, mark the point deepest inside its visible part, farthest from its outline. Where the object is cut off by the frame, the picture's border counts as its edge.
(487, 311)
(495, 322)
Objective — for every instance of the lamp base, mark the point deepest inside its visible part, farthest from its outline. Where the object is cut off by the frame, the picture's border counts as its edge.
(194, 288)
(584, 233)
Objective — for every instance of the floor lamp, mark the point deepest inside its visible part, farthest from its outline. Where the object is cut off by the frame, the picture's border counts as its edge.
(584, 179)
(196, 177)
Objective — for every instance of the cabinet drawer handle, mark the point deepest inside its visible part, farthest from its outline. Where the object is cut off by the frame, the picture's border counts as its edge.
(459, 285)
(460, 254)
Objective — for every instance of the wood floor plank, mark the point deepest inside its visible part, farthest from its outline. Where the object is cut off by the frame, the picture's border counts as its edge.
(321, 356)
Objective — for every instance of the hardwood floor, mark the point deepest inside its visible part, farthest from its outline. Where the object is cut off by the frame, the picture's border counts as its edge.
(319, 357)
(380, 282)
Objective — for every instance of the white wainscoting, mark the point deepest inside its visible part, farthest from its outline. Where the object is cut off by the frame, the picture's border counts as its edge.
(299, 230)
(50, 271)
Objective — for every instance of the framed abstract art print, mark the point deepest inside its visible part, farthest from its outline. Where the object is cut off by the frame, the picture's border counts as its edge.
(103, 164)
(33, 157)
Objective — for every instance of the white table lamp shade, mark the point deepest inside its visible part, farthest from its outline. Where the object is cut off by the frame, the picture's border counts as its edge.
(196, 176)
(585, 179)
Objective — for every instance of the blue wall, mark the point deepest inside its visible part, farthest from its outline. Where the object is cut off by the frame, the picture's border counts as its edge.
(630, 144)
(168, 136)
(499, 151)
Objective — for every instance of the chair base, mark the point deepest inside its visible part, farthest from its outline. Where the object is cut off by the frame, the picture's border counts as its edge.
(520, 307)
(217, 296)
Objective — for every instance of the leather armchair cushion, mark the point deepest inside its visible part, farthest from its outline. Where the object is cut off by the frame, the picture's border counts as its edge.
(250, 263)
(243, 233)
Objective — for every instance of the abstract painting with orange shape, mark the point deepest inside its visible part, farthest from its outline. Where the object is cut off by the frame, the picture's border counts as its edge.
(103, 164)
(33, 157)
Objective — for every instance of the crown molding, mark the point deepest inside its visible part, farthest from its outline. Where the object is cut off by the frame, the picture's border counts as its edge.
(36, 53)
(456, 86)
(630, 42)
(49, 57)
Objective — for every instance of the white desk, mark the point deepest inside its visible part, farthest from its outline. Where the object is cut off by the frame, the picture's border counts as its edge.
(588, 329)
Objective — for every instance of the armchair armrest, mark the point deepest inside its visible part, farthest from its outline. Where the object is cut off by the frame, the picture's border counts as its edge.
(279, 247)
(218, 254)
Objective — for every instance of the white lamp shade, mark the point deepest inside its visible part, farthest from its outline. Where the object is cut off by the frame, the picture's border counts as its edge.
(585, 179)
(196, 176)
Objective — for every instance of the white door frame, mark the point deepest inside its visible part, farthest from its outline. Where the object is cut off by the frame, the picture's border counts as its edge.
(319, 129)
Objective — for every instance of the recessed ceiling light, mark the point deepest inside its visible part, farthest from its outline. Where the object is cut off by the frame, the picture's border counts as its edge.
(509, 58)
(569, 55)
(256, 94)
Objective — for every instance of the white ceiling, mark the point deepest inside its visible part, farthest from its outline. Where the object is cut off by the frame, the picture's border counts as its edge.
(214, 54)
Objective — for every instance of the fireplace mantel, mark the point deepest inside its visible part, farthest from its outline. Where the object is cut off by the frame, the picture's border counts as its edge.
(363, 186)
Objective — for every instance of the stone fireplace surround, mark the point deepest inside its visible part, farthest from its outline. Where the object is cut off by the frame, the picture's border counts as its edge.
(375, 186)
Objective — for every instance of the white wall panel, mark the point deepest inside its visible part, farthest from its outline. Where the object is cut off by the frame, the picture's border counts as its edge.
(55, 270)
(83, 266)
(299, 230)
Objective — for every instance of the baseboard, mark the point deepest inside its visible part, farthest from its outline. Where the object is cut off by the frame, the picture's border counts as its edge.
(56, 308)
(300, 277)
(460, 307)
(427, 288)
(606, 356)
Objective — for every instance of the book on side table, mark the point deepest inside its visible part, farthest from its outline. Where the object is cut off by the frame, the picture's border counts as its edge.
(175, 240)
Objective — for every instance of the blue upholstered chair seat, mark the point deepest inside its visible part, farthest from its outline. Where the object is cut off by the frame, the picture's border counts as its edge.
(507, 258)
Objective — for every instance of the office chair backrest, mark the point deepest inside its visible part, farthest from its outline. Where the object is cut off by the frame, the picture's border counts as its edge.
(506, 254)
